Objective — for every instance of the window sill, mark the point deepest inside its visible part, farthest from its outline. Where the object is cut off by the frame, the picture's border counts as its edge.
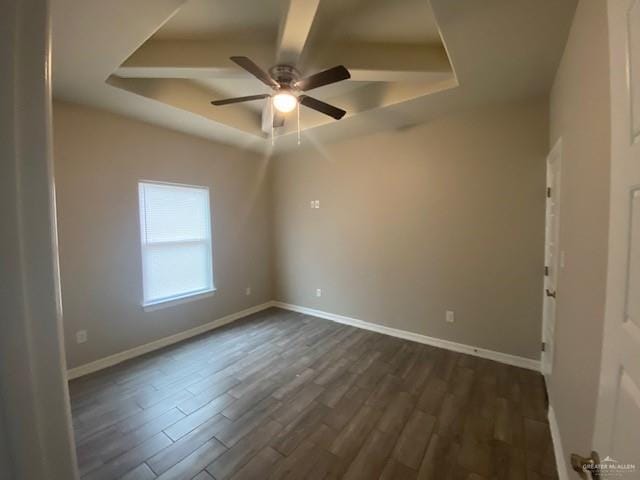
(171, 302)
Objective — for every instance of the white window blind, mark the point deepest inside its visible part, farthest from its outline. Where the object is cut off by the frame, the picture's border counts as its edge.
(175, 232)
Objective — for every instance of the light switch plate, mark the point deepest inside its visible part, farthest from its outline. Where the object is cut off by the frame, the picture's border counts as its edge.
(81, 336)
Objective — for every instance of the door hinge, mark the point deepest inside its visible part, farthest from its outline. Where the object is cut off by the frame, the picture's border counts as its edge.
(548, 192)
(546, 271)
(543, 346)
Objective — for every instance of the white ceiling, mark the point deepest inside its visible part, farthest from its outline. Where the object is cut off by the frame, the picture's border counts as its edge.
(164, 65)
(399, 21)
(383, 21)
(211, 19)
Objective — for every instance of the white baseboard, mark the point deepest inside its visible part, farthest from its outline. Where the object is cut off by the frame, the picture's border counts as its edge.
(162, 342)
(561, 464)
(523, 362)
(416, 337)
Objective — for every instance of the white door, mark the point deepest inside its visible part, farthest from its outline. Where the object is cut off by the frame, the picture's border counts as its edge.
(551, 256)
(617, 433)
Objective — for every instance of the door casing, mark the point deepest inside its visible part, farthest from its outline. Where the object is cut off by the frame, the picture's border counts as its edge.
(551, 255)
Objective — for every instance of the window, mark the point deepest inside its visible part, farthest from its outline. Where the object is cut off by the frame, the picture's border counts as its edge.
(175, 233)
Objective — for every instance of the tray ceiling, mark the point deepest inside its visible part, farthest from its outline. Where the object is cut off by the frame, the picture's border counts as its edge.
(163, 61)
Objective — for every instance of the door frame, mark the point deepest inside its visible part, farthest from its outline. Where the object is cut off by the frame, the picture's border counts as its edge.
(36, 436)
(553, 159)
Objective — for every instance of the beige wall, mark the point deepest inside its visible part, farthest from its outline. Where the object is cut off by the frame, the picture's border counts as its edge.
(99, 158)
(445, 215)
(580, 115)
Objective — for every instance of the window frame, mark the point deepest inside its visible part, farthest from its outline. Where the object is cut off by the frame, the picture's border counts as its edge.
(185, 297)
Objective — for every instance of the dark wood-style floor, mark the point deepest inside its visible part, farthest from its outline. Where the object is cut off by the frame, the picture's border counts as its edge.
(284, 395)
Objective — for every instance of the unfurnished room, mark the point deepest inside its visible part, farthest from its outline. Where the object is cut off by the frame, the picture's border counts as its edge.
(320, 239)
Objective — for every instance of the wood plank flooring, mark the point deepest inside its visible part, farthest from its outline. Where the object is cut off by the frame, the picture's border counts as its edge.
(280, 395)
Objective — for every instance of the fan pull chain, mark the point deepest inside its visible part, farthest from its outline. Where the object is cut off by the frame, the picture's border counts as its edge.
(298, 105)
(273, 138)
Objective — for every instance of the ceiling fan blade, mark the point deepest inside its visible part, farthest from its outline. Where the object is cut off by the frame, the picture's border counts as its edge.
(227, 101)
(278, 118)
(321, 107)
(255, 70)
(332, 75)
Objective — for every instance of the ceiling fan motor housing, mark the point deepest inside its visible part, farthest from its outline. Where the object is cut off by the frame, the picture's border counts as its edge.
(286, 81)
(285, 75)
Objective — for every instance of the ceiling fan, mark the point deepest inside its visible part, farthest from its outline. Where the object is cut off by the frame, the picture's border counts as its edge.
(288, 87)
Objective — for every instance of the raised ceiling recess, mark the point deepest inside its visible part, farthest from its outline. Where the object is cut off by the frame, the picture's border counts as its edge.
(392, 49)
(164, 61)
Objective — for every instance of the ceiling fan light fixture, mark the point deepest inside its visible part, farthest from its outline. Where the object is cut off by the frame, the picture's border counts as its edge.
(284, 102)
(288, 88)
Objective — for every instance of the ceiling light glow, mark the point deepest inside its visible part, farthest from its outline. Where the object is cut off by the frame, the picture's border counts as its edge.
(284, 102)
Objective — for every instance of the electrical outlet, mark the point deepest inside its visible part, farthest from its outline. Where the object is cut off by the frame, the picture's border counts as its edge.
(318, 292)
(81, 336)
(312, 204)
(450, 316)
(247, 291)
(317, 204)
